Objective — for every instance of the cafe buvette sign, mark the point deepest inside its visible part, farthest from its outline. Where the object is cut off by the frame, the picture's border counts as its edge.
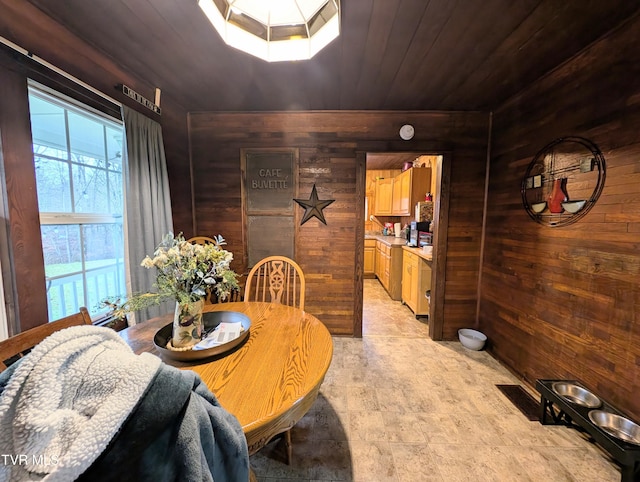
(269, 188)
(269, 182)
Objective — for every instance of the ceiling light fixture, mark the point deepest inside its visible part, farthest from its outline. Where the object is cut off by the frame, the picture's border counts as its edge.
(275, 30)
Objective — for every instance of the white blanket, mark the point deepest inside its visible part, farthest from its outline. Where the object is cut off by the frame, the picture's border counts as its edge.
(65, 402)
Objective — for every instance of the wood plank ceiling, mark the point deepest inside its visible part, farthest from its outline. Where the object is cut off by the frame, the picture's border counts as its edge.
(391, 54)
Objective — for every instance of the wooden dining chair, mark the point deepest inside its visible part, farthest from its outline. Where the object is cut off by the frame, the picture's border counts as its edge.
(234, 296)
(202, 240)
(277, 279)
(19, 345)
(212, 298)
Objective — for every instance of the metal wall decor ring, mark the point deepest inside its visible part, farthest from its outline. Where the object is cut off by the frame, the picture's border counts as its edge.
(563, 181)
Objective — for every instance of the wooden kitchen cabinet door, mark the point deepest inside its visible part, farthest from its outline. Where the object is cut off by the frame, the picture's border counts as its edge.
(406, 277)
(384, 196)
(402, 194)
(369, 257)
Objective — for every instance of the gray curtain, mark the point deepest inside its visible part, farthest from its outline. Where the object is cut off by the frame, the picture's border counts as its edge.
(148, 203)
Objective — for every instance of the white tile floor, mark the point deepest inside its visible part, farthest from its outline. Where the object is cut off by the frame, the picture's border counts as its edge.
(396, 406)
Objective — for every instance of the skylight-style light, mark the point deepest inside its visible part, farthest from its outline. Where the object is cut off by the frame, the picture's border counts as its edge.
(275, 30)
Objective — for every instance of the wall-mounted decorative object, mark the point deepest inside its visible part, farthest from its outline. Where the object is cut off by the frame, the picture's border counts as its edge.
(313, 206)
(563, 181)
(129, 92)
(269, 178)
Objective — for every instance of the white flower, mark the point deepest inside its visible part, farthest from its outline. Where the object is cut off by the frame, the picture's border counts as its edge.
(147, 262)
(185, 272)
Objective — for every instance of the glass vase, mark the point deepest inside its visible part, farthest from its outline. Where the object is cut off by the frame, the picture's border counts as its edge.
(187, 324)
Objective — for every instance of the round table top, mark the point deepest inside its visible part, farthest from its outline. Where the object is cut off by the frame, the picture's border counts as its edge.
(269, 381)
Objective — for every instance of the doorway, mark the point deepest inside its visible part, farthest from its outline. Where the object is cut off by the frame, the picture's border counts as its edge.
(441, 194)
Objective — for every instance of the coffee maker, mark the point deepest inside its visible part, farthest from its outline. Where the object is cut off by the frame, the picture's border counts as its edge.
(417, 232)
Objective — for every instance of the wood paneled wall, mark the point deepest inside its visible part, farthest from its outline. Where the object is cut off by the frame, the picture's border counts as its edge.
(21, 210)
(565, 302)
(28, 27)
(329, 144)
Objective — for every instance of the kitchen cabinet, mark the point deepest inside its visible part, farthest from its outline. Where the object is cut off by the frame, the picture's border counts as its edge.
(372, 177)
(384, 197)
(408, 270)
(416, 281)
(369, 257)
(408, 188)
(388, 268)
(401, 193)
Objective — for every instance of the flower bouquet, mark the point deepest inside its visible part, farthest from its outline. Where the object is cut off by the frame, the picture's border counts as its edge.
(186, 272)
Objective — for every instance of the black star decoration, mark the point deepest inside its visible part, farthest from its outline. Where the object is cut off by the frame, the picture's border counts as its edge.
(313, 207)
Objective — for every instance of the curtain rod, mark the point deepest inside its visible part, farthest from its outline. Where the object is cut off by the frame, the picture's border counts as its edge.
(43, 62)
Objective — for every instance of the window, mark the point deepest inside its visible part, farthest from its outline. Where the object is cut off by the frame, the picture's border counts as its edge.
(78, 160)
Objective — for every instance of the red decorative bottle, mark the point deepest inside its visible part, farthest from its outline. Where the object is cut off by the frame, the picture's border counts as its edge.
(558, 195)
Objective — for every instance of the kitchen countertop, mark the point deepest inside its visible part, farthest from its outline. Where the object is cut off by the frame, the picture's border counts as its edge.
(388, 240)
(400, 242)
(420, 253)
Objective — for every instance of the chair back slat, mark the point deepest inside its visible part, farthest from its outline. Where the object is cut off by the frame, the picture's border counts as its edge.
(276, 279)
(295, 280)
(22, 343)
(263, 279)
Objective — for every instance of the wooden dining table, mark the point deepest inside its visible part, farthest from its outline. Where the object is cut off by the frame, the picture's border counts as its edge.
(270, 380)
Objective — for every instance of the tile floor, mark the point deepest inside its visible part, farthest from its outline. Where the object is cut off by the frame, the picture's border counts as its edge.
(396, 406)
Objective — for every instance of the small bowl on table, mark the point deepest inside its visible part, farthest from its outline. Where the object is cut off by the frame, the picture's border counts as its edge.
(472, 339)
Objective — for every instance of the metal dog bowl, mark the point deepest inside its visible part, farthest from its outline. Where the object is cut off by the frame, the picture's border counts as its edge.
(576, 394)
(616, 425)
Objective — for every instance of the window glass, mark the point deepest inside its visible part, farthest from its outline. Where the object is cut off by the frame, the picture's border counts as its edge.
(115, 192)
(78, 161)
(53, 184)
(86, 137)
(48, 127)
(105, 265)
(61, 249)
(114, 149)
(90, 189)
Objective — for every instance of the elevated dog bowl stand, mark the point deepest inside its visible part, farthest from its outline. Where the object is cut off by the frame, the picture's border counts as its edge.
(555, 410)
